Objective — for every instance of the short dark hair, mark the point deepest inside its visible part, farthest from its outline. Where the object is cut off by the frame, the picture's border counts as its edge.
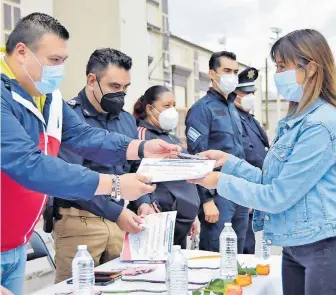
(100, 59)
(214, 62)
(30, 29)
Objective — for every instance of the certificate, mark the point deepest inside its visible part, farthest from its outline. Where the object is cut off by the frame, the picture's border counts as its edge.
(160, 170)
(154, 243)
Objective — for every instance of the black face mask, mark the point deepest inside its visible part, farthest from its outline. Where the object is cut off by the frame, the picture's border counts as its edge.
(113, 102)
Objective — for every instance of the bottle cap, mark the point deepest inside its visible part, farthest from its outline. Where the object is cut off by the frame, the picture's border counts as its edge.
(82, 247)
(227, 224)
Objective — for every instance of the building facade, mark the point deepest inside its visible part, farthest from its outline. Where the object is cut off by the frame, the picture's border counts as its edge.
(140, 28)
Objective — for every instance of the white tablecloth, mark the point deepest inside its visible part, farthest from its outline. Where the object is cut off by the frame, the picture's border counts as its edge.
(262, 285)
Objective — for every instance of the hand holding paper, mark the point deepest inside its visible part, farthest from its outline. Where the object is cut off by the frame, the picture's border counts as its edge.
(219, 156)
(161, 170)
(155, 242)
(209, 181)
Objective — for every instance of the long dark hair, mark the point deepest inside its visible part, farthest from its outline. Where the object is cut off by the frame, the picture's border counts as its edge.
(151, 95)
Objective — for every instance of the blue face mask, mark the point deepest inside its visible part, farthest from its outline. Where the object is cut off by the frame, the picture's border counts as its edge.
(287, 86)
(51, 78)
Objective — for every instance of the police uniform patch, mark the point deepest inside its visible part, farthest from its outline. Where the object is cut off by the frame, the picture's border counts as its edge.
(72, 102)
(193, 134)
(220, 112)
(250, 74)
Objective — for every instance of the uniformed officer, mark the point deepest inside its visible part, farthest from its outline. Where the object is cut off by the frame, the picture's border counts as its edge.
(255, 140)
(156, 117)
(99, 223)
(213, 123)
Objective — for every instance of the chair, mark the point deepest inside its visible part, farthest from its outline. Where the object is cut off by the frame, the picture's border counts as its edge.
(40, 249)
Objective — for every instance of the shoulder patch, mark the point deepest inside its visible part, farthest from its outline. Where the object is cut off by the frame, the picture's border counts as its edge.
(72, 102)
(193, 134)
(220, 112)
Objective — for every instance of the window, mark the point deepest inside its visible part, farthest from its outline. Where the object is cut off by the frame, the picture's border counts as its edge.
(11, 15)
(7, 9)
(153, 15)
(17, 15)
(180, 93)
(181, 128)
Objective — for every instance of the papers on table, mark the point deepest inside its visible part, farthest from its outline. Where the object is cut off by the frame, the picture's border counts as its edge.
(155, 242)
(161, 170)
(158, 276)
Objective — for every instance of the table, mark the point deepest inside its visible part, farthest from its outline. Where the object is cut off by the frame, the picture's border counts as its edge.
(262, 285)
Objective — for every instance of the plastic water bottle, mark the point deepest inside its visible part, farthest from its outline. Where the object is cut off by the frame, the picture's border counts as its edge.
(177, 273)
(262, 250)
(228, 252)
(83, 272)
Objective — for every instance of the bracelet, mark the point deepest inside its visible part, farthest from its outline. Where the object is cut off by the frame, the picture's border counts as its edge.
(141, 150)
(114, 186)
(118, 190)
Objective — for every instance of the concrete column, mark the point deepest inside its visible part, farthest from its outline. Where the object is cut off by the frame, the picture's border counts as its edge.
(134, 42)
(92, 25)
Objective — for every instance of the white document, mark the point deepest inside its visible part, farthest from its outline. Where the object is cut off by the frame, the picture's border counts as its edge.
(161, 170)
(155, 242)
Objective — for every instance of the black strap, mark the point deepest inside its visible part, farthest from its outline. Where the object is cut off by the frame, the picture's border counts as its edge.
(141, 150)
(66, 204)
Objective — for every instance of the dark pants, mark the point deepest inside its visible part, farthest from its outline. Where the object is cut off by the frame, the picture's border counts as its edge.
(249, 246)
(310, 269)
(181, 232)
(228, 212)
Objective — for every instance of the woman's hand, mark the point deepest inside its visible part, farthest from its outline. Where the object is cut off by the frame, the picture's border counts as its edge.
(219, 156)
(193, 232)
(209, 181)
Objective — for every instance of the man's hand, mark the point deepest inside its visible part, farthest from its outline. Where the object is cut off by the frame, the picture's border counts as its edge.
(145, 209)
(129, 222)
(193, 232)
(5, 291)
(209, 181)
(211, 212)
(157, 148)
(133, 186)
(219, 156)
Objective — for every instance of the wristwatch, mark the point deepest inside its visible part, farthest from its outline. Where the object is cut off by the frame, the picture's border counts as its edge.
(116, 191)
(141, 150)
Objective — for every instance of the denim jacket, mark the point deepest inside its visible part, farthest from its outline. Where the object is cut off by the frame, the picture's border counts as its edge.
(295, 192)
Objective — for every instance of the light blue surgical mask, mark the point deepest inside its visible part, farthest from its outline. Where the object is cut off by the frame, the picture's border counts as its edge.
(51, 78)
(287, 86)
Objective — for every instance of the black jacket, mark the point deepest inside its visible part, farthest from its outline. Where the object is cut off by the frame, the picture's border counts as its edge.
(174, 195)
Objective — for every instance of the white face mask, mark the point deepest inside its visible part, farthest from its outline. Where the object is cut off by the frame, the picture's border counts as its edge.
(167, 119)
(248, 101)
(228, 83)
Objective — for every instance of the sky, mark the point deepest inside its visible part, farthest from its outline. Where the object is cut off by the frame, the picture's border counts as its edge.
(246, 24)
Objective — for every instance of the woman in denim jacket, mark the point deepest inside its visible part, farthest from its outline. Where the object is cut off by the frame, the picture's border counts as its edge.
(295, 192)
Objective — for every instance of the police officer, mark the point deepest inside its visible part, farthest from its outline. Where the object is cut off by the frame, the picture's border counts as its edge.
(99, 223)
(156, 117)
(255, 140)
(213, 123)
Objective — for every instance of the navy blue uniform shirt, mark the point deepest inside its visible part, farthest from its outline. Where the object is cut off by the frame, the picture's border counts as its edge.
(255, 140)
(172, 195)
(213, 122)
(123, 124)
